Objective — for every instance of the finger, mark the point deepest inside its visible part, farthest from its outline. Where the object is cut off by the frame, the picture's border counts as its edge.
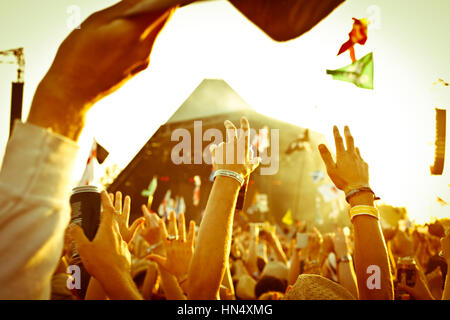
(358, 153)
(107, 206)
(173, 224)
(231, 130)
(77, 235)
(111, 196)
(146, 212)
(118, 202)
(163, 230)
(338, 141)
(181, 227)
(160, 260)
(245, 132)
(326, 157)
(126, 209)
(135, 227)
(191, 233)
(349, 139)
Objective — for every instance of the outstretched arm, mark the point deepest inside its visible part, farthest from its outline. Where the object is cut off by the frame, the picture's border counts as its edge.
(214, 239)
(91, 63)
(348, 173)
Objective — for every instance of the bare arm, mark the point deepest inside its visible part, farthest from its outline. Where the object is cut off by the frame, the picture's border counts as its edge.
(350, 172)
(214, 239)
(346, 272)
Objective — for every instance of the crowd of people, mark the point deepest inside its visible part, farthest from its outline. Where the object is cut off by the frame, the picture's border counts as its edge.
(157, 259)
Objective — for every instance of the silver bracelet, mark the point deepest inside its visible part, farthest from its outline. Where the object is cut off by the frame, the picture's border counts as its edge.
(231, 174)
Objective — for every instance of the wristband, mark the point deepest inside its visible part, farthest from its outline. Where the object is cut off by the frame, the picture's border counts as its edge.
(350, 191)
(363, 211)
(231, 174)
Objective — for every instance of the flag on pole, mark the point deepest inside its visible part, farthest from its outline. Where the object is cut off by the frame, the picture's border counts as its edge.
(164, 205)
(150, 191)
(360, 72)
(358, 34)
(287, 219)
(97, 152)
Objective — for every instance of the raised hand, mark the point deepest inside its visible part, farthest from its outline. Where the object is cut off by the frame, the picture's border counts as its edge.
(179, 248)
(107, 258)
(110, 47)
(151, 231)
(349, 170)
(123, 217)
(235, 154)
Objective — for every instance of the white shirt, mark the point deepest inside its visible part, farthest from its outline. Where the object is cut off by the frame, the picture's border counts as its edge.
(35, 184)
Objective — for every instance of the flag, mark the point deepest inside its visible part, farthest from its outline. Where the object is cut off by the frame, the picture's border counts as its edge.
(150, 191)
(164, 205)
(317, 176)
(287, 219)
(441, 201)
(328, 191)
(196, 196)
(358, 34)
(180, 206)
(360, 72)
(97, 152)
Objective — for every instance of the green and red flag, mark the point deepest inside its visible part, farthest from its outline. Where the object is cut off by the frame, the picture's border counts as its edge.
(360, 72)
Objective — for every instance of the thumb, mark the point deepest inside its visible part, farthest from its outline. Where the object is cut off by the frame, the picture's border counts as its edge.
(76, 233)
(135, 226)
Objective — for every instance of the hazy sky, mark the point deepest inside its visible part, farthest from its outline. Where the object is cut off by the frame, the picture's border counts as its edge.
(393, 124)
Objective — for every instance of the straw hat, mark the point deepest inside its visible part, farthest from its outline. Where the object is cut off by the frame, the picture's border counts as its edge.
(315, 287)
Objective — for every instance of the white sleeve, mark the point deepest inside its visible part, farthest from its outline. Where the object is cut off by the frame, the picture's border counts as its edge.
(35, 182)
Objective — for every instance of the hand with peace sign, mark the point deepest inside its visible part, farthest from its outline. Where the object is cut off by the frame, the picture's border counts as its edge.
(349, 170)
(235, 154)
(123, 217)
(178, 246)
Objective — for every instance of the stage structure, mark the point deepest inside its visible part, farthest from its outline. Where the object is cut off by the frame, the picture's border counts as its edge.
(294, 187)
(17, 86)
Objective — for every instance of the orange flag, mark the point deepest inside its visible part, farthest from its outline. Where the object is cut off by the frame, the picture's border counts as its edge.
(358, 34)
